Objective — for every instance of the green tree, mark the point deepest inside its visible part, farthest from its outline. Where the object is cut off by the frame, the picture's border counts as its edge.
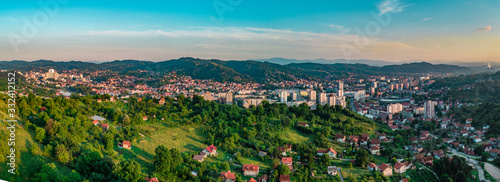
(362, 158)
(128, 170)
(39, 134)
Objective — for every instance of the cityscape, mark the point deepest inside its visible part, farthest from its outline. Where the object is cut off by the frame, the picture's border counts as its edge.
(237, 91)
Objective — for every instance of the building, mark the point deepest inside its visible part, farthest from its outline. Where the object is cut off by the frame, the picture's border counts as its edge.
(340, 91)
(250, 170)
(228, 176)
(429, 109)
(333, 170)
(312, 95)
(210, 150)
(394, 108)
(322, 98)
(330, 152)
(385, 169)
(199, 158)
(125, 144)
(399, 168)
(332, 100)
(283, 96)
(372, 167)
(285, 178)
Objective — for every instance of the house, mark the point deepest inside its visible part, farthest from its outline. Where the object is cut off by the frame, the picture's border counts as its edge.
(228, 176)
(353, 139)
(468, 121)
(262, 153)
(494, 153)
(340, 138)
(303, 124)
(385, 169)
(43, 109)
(139, 100)
(425, 134)
(375, 150)
(144, 118)
(250, 170)
(125, 144)
(428, 160)
(374, 142)
(99, 118)
(284, 150)
(95, 122)
(199, 158)
(211, 150)
(251, 180)
(162, 101)
(476, 139)
(330, 152)
(413, 139)
(393, 127)
(409, 165)
(287, 161)
(399, 168)
(99, 100)
(382, 136)
(372, 166)
(285, 178)
(333, 170)
(263, 178)
(154, 179)
(365, 136)
(105, 126)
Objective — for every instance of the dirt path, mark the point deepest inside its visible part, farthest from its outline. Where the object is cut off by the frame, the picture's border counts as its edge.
(494, 171)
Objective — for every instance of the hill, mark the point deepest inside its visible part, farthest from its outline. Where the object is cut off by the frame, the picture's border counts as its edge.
(239, 71)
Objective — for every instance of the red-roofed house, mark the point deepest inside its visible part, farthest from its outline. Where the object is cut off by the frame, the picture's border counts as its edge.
(125, 144)
(285, 178)
(250, 170)
(385, 169)
(372, 166)
(95, 122)
(211, 150)
(251, 180)
(105, 126)
(332, 153)
(228, 176)
(303, 124)
(340, 137)
(263, 178)
(155, 179)
(399, 168)
(287, 161)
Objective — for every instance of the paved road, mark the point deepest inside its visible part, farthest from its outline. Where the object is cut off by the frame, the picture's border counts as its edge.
(480, 170)
(341, 177)
(435, 175)
(494, 171)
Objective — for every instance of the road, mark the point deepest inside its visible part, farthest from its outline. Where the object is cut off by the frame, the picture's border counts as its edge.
(494, 171)
(480, 170)
(435, 175)
(341, 177)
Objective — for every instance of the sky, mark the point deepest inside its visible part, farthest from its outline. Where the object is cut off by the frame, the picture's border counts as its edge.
(388, 30)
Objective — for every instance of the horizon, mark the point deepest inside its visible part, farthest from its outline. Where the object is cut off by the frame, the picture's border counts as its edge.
(395, 31)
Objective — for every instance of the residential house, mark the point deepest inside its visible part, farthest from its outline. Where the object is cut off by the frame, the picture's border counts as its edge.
(105, 126)
(287, 161)
(372, 167)
(154, 179)
(285, 178)
(95, 122)
(251, 180)
(199, 158)
(263, 178)
(333, 170)
(340, 138)
(428, 160)
(303, 124)
(144, 118)
(125, 144)
(353, 139)
(330, 152)
(262, 153)
(399, 168)
(250, 170)
(211, 150)
(468, 121)
(476, 139)
(385, 169)
(382, 136)
(162, 101)
(375, 150)
(374, 142)
(228, 176)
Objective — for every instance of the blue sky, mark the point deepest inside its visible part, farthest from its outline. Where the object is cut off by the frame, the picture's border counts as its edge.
(222, 29)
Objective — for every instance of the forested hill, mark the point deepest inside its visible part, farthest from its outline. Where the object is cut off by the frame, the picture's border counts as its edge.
(238, 71)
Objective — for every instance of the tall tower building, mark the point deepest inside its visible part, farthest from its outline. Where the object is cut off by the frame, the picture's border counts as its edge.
(322, 98)
(340, 91)
(312, 95)
(429, 109)
(283, 96)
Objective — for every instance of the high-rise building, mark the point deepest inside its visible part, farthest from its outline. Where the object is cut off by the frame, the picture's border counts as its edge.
(322, 98)
(372, 91)
(294, 96)
(229, 98)
(374, 84)
(283, 96)
(312, 95)
(340, 91)
(394, 108)
(332, 100)
(429, 109)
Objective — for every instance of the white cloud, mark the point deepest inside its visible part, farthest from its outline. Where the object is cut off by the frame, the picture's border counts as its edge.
(426, 19)
(339, 28)
(7, 19)
(391, 6)
(486, 28)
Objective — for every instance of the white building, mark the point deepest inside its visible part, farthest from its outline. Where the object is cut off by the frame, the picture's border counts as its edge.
(429, 109)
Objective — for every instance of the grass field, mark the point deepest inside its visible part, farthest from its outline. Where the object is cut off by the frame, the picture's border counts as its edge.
(295, 136)
(186, 139)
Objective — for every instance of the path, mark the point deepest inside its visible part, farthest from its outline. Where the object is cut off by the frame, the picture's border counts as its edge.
(341, 177)
(494, 171)
(431, 171)
(480, 170)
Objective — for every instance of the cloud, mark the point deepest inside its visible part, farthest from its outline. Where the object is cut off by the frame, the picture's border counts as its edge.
(391, 6)
(426, 19)
(339, 28)
(486, 28)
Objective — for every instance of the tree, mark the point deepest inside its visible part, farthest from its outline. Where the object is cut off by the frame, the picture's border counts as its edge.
(62, 154)
(47, 173)
(284, 170)
(39, 134)
(484, 156)
(162, 161)
(128, 170)
(362, 158)
(325, 160)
